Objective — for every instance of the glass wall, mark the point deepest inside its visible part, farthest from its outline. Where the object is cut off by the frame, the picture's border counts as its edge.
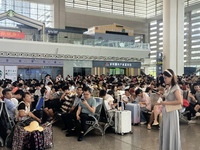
(37, 11)
(121, 7)
(81, 71)
(39, 73)
(191, 38)
(136, 8)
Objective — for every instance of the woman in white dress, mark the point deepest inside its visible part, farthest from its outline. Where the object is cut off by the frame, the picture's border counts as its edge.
(169, 131)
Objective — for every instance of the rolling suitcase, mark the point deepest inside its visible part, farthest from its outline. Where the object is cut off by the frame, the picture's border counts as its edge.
(135, 112)
(123, 122)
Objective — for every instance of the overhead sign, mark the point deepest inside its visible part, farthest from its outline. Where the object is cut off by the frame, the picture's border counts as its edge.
(11, 34)
(54, 32)
(116, 64)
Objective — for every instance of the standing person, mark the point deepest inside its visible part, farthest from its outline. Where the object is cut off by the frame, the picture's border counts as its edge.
(47, 79)
(170, 132)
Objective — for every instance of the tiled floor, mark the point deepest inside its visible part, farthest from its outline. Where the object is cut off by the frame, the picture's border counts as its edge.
(141, 139)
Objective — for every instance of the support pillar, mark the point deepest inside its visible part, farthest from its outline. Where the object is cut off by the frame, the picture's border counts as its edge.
(173, 35)
(59, 14)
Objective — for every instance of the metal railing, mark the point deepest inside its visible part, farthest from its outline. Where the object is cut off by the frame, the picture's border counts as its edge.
(86, 41)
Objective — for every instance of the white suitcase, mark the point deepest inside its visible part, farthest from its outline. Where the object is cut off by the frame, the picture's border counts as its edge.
(123, 122)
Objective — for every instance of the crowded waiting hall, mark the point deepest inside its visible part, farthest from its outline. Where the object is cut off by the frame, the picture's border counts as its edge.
(99, 74)
(78, 105)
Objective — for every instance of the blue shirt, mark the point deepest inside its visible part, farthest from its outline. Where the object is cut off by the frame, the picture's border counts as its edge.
(84, 109)
(10, 107)
(76, 101)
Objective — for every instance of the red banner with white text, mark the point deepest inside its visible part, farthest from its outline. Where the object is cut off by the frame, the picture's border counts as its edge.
(11, 34)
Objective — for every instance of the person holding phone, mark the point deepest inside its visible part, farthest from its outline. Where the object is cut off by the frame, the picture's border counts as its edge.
(169, 129)
(87, 106)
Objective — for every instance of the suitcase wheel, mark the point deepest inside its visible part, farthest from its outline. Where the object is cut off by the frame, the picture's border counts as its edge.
(122, 133)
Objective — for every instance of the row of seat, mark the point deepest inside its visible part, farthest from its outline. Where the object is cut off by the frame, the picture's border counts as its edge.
(101, 115)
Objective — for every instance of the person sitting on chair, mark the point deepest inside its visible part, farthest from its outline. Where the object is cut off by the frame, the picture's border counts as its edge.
(145, 104)
(68, 117)
(126, 97)
(157, 110)
(23, 110)
(10, 105)
(108, 99)
(86, 106)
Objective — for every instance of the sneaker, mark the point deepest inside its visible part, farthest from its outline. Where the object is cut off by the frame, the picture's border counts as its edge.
(191, 121)
(155, 123)
(142, 123)
(198, 114)
(80, 137)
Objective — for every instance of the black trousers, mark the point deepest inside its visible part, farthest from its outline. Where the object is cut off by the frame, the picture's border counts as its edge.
(84, 117)
(69, 120)
(191, 112)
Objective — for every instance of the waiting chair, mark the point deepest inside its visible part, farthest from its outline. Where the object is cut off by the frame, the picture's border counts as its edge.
(40, 104)
(182, 113)
(94, 122)
(154, 98)
(5, 118)
(6, 122)
(109, 117)
(185, 94)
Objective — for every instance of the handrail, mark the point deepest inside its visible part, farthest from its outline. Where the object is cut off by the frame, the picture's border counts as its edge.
(85, 41)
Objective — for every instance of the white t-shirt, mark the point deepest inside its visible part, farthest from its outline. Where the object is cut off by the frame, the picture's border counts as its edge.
(71, 88)
(15, 101)
(108, 100)
(125, 98)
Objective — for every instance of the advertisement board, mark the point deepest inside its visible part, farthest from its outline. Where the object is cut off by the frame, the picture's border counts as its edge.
(11, 73)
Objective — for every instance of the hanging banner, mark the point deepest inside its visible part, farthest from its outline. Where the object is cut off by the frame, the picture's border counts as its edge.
(11, 73)
(12, 35)
(1, 72)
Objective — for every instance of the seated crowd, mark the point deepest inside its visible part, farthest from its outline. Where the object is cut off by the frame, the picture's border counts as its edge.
(73, 98)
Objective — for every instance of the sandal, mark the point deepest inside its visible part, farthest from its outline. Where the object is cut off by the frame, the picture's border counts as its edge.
(149, 127)
(155, 123)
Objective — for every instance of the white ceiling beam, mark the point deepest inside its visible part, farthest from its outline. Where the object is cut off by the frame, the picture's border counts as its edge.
(41, 1)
